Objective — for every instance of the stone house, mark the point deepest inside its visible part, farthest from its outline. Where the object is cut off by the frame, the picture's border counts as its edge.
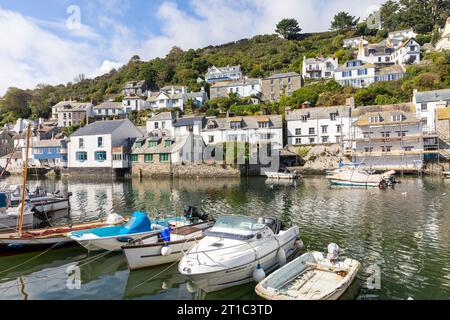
(275, 86)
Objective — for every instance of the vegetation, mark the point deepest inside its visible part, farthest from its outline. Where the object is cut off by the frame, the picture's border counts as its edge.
(261, 56)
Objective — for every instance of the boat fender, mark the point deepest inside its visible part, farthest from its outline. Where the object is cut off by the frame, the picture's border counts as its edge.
(259, 274)
(114, 218)
(191, 287)
(281, 257)
(166, 285)
(166, 251)
(299, 244)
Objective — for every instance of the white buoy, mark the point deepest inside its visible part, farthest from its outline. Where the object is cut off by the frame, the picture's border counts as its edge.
(166, 285)
(166, 251)
(259, 274)
(281, 257)
(191, 287)
(299, 244)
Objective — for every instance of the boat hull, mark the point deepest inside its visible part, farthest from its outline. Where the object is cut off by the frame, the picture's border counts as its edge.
(242, 273)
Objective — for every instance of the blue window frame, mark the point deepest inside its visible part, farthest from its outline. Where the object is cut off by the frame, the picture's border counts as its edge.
(99, 142)
(81, 156)
(362, 72)
(100, 156)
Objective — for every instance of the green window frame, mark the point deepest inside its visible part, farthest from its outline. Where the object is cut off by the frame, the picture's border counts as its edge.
(81, 156)
(152, 144)
(100, 156)
(167, 143)
(164, 157)
(148, 158)
(134, 158)
(138, 144)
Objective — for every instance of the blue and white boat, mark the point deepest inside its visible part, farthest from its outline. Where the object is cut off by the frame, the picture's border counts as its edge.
(113, 238)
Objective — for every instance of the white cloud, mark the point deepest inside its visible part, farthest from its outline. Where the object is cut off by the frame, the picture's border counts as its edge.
(30, 55)
(106, 67)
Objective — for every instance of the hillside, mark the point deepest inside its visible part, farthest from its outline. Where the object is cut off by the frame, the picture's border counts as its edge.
(258, 57)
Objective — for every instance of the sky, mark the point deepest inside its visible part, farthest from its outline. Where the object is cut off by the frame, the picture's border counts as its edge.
(53, 41)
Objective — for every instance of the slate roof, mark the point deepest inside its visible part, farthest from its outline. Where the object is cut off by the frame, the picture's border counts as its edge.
(433, 96)
(109, 105)
(46, 143)
(163, 116)
(282, 75)
(386, 118)
(248, 122)
(134, 84)
(317, 113)
(188, 121)
(177, 143)
(236, 83)
(100, 127)
(74, 105)
(390, 70)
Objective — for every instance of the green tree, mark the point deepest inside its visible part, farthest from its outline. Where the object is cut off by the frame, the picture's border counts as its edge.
(344, 21)
(288, 29)
(16, 101)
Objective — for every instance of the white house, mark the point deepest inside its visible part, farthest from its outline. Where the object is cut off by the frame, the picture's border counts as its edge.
(397, 38)
(71, 113)
(444, 42)
(102, 145)
(388, 140)
(318, 68)
(162, 121)
(407, 53)
(321, 125)
(426, 103)
(256, 130)
(243, 88)
(358, 74)
(227, 73)
(354, 42)
(175, 97)
(133, 103)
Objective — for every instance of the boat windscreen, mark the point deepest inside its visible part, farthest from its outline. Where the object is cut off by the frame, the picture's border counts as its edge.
(225, 235)
(239, 223)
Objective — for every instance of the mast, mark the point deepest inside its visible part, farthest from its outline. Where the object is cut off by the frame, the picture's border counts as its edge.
(24, 183)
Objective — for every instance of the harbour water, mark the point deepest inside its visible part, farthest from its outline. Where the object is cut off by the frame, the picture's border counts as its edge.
(401, 236)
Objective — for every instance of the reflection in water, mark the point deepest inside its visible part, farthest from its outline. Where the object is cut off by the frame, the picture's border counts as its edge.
(404, 232)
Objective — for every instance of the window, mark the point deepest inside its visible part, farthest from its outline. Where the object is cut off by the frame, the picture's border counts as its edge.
(117, 157)
(338, 128)
(235, 125)
(324, 139)
(397, 117)
(386, 134)
(289, 80)
(312, 131)
(138, 144)
(424, 122)
(100, 156)
(368, 149)
(402, 133)
(156, 125)
(298, 141)
(99, 142)
(366, 135)
(423, 107)
(152, 144)
(408, 148)
(375, 119)
(134, 158)
(163, 124)
(167, 143)
(163, 157)
(263, 124)
(333, 116)
(324, 129)
(312, 140)
(386, 148)
(298, 131)
(81, 156)
(211, 139)
(304, 118)
(362, 72)
(65, 116)
(148, 158)
(81, 143)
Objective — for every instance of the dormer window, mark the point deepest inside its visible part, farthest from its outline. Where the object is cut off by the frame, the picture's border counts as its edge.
(397, 118)
(167, 143)
(153, 144)
(375, 119)
(263, 124)
(304, 118)
(235, 124)
(333, 116)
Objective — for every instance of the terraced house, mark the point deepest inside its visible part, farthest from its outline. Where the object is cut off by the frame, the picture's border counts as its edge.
(71, 113)
(389, 140)
(276, 85)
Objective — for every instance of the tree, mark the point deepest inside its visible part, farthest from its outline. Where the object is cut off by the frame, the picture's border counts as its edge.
(288, 29)
(16, 101)
(344, 21)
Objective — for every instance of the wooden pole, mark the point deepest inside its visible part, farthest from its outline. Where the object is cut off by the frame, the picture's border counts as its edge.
(24, 184)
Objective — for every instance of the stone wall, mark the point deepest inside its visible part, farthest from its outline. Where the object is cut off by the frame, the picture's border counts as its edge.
(183, 171)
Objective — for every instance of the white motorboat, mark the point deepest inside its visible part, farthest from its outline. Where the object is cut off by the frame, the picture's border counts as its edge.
(9, 217)
(310, 277)
(284, 175)
(158, 249)
(238, 250)
(360, 178)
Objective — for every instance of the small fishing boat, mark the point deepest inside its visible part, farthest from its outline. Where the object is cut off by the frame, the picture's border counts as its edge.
(167, 246)
(9, 216)
(113, 238)
(310, 277)
(238, 250)
(360, 178)
(284, 175)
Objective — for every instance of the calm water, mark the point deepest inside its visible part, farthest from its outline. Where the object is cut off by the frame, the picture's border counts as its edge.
(404, 232)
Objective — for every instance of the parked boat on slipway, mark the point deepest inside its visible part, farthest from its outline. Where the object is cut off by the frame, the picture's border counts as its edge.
(238, 250)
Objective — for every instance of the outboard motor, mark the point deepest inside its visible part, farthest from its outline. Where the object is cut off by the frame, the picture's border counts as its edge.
(192, 214)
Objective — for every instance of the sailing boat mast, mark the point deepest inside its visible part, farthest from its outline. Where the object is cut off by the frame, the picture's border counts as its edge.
(24, 183)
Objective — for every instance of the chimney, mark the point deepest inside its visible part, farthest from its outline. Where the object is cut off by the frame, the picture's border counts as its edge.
(173, 90)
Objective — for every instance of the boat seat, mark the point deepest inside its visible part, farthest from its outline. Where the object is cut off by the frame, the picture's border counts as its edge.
(274, 224)
(183, 231)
